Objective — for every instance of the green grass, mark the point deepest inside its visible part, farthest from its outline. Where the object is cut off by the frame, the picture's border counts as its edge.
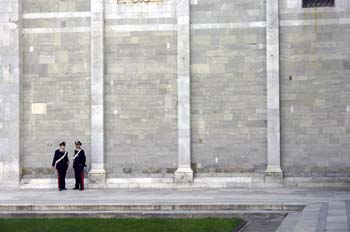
(119, 225)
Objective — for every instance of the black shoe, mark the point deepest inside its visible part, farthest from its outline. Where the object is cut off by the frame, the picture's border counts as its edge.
(76, 189)
(81, 189)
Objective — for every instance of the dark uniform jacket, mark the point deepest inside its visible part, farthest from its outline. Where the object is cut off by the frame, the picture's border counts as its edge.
(80, 159)
(63, 164)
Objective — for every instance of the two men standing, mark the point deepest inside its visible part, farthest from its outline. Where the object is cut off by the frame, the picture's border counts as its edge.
(61, 163)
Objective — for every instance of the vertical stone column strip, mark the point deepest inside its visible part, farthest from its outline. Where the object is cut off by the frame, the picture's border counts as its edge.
(273, 172)
(184, 173)
(10, 92)
(97, 175)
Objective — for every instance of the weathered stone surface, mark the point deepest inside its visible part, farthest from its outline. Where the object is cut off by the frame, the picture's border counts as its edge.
(36, 6)
(141, 99)
(10, 92)
(184, 173)
(273, 171)
(97, 174)
(314, 91)
(138, 1)
(171, 101)
(56, 85)
(228, 74)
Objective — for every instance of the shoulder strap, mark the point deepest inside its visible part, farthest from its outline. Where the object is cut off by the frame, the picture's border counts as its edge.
(75, 156)
(60, 158)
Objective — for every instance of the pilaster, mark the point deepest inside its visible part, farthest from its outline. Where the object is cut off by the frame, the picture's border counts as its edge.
(10, 92)
(273, 172)
(184, 173)
(97, 175)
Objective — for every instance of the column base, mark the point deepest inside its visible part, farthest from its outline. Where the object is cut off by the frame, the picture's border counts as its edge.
(273, 174)
(10, 174)
(97, 178)
(184, 176)
(9, 185)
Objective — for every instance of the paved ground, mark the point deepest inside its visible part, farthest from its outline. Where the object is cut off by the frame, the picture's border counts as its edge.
(266, 225)
(266, 196)
(325, 209)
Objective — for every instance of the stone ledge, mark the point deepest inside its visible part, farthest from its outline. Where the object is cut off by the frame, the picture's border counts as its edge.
(199, 182)
(97, 178)
(184, 176)
(150, 207)
(274, 175)
(142, 214)
(138, 1)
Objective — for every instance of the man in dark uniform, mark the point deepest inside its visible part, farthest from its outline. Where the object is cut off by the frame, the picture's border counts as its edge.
(61, 162)
(79, 161)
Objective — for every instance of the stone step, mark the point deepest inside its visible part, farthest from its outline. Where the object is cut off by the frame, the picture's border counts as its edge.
(148, 207)
(244, 214)
(289, 222)
(309, 218)
(322, 219)
(262, 225)
(329, 216)
(337, 219)
(348, 211)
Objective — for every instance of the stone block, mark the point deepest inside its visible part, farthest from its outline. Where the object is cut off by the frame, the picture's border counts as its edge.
(184, 176)
(38, 108)
(5, 73)
(97, 179)
(46, 59)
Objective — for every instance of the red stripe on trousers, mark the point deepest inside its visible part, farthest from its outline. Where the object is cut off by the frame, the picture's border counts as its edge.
(82, 179)
(58, 176)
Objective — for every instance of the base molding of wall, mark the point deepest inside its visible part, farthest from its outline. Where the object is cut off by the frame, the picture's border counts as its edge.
(317, 182)
(273, 175)
(244, 181)
(9, 184)
(97, 178)
(184, 176)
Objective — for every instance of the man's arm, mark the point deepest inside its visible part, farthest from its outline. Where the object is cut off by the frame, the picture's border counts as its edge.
(54, 159)
(83, 158)
(66, 160)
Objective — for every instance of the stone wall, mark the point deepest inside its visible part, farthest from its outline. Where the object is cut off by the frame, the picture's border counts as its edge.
(141, 90)
(228, 86)
(10, 91)
(315, 68)
(56, 77)
(135, 80)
